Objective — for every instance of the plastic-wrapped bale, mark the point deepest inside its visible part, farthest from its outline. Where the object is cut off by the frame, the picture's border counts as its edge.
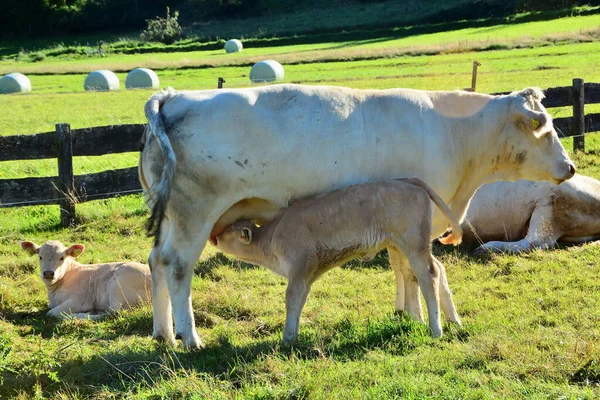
(233, 46)
(142, 78)
(15, 83)
(101, 80)
(266, 71)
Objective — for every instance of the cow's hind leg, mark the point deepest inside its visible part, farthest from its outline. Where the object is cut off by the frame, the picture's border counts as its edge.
(161, 301)
(183, 245)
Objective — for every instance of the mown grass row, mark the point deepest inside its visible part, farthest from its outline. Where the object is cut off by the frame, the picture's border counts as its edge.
(531, 34)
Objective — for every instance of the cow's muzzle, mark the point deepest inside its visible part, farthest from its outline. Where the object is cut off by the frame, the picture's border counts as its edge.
(48, 275)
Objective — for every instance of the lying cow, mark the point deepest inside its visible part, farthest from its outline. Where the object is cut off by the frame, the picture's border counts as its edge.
(313, 235)
(88, 291)
(213, 157)
(514, 217)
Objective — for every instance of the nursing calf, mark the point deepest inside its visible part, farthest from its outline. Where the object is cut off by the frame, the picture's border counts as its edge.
(88, 291)
(515, 217)
(316, 234)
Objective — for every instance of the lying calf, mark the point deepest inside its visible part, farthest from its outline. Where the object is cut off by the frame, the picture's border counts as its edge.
(521, 216)
(88, 291)
(316, 234)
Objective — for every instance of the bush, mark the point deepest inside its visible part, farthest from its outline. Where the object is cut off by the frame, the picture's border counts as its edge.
(165, 30)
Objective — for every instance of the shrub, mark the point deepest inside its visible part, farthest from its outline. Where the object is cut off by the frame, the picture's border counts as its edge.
(165, 30)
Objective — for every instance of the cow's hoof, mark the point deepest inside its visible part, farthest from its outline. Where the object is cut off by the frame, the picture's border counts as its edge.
(170, 341)
(192, 342)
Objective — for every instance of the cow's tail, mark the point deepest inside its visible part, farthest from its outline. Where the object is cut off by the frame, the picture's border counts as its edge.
(455, 237)
(158, 194)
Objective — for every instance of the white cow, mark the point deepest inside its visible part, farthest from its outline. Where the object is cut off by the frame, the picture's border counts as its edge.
(514, 217)
(88, 291)
(213, 157)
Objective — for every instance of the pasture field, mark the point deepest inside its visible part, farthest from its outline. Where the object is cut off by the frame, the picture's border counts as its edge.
(531, 323)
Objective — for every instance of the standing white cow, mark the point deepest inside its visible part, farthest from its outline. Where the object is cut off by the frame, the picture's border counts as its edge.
(514, 217)
(213, 157)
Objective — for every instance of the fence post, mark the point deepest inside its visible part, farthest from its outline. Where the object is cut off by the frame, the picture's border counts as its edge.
(220, 83)
(65, 174)
(474, 75)
(578, 115)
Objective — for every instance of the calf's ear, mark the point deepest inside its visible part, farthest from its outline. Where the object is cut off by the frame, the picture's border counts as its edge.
(30, 247)
(75, 250)
(246, 235)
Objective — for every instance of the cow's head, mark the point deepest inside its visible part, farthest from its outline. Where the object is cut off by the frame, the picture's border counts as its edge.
(529, 146)
(236, 238)
(53, 256)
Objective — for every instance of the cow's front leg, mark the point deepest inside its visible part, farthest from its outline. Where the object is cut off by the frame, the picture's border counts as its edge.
(64, 310)
(541, 234)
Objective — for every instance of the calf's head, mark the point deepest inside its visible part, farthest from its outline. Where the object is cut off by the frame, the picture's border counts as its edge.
(529, 147)
(53, 258)
(237, 238)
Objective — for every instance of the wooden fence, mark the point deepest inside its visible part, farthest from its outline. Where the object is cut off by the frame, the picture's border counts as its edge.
(63, 144)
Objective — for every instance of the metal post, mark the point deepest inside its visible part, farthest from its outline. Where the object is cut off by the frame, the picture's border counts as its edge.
(578, 115)
(65, 174)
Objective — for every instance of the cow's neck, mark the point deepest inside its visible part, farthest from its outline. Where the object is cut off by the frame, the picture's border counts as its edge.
(478, 167)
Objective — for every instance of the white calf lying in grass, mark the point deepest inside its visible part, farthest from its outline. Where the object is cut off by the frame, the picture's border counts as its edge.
(88, 291)
(316, 234)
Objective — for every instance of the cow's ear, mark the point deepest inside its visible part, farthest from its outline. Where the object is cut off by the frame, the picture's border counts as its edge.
(537, 122)
(30, 247)
(246, 235)
(75, 250)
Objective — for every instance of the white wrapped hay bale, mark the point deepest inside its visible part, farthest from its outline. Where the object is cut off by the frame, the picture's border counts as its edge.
(101, 80)
(266, 71)
(15, 83)
(233, 46)
(142, 78)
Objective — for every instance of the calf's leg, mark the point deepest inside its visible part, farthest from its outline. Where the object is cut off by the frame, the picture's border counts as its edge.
(446, 295)
(295, 298)
(407, 288)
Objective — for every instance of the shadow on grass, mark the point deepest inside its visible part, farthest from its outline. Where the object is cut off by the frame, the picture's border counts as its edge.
(141, 368)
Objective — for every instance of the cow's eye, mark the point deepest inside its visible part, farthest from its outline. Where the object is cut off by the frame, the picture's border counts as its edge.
(62, 259)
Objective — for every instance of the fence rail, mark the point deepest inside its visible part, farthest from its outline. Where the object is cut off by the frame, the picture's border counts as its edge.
(63, 144)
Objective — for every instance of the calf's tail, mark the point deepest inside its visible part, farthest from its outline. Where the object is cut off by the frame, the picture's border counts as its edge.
(158, 194)
(455, 237)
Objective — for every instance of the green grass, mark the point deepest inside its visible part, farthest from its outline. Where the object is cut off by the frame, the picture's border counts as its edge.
(532, 34)
(531, 323)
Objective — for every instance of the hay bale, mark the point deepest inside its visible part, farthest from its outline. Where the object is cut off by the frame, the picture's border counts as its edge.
(101, 80)
(233, 46)
(142, 78)
(266, 71)
(15, 83)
